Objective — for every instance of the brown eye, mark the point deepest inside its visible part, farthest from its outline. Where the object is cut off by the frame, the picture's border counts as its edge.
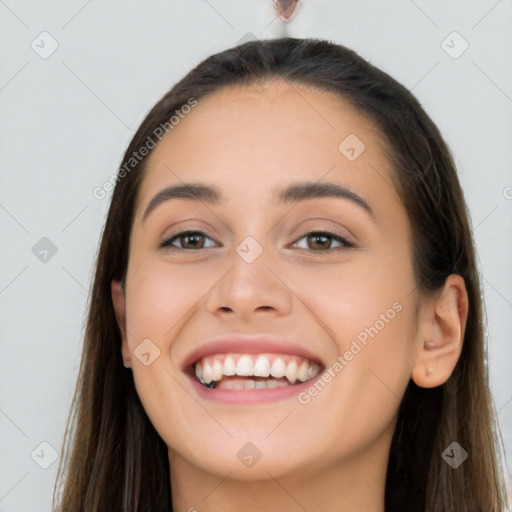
(319, 241)
(316, 241)
(322, 240)
(190, 240)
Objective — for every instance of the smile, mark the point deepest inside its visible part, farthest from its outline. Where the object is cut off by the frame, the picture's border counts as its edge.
(234, 371)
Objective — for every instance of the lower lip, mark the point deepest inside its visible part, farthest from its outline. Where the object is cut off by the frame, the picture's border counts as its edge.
(251, 396)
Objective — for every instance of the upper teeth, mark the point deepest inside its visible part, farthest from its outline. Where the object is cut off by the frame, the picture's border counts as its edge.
(213, 368)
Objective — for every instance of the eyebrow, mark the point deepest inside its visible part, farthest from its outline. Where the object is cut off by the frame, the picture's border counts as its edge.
(297, 192)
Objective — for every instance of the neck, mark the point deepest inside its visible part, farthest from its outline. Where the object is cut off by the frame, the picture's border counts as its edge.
(350, 486)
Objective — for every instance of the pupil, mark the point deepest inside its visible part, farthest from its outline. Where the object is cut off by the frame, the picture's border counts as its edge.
(193, 238)
(317, 237)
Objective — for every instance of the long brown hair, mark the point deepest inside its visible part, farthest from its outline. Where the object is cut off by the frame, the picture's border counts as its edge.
(113, 457)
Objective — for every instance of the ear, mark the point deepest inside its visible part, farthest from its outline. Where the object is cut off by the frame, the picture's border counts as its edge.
(443, 323)
(119, 302)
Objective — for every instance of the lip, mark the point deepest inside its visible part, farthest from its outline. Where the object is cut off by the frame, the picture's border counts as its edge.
(251, 396)
(243, 344)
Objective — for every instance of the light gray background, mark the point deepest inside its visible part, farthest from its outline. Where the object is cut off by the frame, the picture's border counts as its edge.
(66, 120)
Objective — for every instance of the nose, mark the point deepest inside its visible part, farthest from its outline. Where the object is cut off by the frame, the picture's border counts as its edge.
(250, 288)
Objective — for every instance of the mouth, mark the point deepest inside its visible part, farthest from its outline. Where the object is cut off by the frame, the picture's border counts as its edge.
(239, 371)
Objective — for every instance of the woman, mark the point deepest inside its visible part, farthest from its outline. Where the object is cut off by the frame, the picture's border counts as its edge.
(286, 312)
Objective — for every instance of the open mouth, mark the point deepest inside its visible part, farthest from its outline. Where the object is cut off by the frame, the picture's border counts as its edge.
(253, 371)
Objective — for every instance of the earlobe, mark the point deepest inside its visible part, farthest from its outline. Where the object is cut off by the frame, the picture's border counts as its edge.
(443, 325)
(119, 303)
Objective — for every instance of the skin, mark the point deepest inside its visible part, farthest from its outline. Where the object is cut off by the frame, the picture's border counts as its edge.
(331, 453)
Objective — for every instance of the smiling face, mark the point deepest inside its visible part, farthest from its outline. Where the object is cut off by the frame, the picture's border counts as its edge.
(271, 178)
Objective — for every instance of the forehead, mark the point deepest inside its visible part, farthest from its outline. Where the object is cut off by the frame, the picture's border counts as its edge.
(269, 134)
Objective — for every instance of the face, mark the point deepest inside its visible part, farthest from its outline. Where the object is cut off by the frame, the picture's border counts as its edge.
(290, 292)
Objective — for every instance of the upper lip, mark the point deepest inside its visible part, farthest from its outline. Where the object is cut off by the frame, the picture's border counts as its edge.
(243, 344)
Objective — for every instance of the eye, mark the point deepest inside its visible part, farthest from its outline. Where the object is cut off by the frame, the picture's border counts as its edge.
(320, 241)
(191, 240)
(188, 237)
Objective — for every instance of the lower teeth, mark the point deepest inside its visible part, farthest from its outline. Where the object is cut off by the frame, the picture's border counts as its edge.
(237, 383)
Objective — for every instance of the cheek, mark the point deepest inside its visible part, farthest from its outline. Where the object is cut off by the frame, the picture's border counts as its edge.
(160, 300)
(157, 299)
(368, 311)
(370, 293)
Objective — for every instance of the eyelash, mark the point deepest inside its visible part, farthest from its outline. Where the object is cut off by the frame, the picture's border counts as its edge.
(345, 243)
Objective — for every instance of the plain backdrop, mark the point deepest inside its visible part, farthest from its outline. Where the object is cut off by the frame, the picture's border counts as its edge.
(67, 117)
